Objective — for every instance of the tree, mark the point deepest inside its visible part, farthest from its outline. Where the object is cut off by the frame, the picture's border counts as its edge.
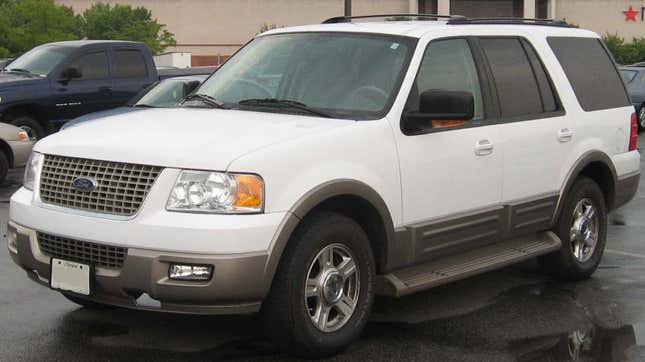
(25, 24)
(626, 53)
(122, 22)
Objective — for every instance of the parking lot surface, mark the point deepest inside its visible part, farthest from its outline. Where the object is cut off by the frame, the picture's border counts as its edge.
(515, 314)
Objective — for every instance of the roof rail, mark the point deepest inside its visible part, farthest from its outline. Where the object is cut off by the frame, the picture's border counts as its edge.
(348, 19)
(511, 21)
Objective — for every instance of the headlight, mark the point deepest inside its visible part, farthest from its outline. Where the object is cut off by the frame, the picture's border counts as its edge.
(217, 192)
(31, 170)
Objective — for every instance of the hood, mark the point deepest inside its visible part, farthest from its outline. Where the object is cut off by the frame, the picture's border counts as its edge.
(207, 139)
(98, 115)
(11, 79)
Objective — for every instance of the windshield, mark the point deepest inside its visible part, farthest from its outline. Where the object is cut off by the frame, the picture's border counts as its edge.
(628, 75)
(41, 60)
(167, 94)
(354, 76)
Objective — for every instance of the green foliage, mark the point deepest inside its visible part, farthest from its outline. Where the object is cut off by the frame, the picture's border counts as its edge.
(27, 23)
(626, 53)
(123, 22)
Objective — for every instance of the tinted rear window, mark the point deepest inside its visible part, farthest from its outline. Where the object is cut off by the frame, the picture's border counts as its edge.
(591, 71)
(130, 64)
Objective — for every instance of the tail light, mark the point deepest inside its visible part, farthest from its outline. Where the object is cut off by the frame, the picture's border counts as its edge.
(633, 134)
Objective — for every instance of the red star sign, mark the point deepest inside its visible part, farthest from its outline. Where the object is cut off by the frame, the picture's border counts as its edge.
(630, 15)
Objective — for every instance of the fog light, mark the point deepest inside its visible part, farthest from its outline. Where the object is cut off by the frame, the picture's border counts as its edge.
(190, 272)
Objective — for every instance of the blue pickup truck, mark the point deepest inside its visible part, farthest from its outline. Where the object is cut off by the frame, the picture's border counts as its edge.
(56, 82)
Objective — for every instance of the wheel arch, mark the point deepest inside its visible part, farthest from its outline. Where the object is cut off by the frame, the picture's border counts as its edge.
(25, 109)
(351, 198)
(6, 149)
(597, 166)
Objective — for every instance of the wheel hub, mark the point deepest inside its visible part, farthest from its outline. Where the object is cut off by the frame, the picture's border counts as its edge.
(333, 287)
(584, 231)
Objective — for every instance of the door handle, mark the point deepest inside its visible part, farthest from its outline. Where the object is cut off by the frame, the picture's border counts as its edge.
(105, 89)
(565, 135)
(484, 147)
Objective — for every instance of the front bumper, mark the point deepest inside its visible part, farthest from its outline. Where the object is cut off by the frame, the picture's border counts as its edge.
(237, 246)
(237, 286)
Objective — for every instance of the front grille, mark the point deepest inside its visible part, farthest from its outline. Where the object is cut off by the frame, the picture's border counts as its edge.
(120, 187)
(100, 255)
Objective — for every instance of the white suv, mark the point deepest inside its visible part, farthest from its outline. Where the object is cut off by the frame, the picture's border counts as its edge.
(325, 164)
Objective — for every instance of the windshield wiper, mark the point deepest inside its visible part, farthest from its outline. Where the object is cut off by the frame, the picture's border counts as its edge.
(20, 70)
(205, 98)
(283, 103)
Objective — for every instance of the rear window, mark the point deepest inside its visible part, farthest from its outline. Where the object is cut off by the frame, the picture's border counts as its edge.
(523, 87)
(591, 72)
(130, 63)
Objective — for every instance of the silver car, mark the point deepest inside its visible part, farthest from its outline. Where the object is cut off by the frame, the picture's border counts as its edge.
(15, 148)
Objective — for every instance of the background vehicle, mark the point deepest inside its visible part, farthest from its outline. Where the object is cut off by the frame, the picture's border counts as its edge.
(634, 77)
(56, 82)
(15, 148)
(166, 93)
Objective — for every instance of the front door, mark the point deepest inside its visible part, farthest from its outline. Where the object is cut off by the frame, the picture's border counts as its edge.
(88, 93)
(451, 174)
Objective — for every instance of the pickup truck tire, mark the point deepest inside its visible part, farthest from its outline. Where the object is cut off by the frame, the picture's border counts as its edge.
(582, 227)
(4, 167)
(34, 129)
(328, 265)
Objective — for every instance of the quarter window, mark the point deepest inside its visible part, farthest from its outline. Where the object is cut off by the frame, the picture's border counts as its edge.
(129, 63)
(448, 65)
(93, 66)
(591, 71)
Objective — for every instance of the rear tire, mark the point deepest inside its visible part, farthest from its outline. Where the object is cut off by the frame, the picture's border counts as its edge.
(300, 315)
(582, 227)
(33, 128)
(4, 167)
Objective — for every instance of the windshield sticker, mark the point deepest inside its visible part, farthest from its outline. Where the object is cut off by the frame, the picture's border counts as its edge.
(394, 46)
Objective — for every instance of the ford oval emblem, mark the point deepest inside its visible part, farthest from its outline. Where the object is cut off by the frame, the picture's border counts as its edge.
(84, 184)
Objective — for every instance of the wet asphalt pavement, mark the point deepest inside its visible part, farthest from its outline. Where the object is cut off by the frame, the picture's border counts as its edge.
(515, 314)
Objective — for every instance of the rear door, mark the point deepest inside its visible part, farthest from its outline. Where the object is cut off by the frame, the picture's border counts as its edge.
(88, 93)
(130, 73)
(535, 132)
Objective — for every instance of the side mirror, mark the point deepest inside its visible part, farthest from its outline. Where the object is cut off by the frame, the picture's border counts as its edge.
(70, 73)
(439, 105)
(189, 87)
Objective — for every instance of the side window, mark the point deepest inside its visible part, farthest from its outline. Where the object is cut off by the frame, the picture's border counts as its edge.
(129, 63)
(448, 65)
(93, 66)
(591, 71)
(547, 91)
(517, 86)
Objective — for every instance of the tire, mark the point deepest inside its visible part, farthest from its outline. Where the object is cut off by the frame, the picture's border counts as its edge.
(564, 264)
(4, 167)
(34, 129)
(84, 302)
(287, 314)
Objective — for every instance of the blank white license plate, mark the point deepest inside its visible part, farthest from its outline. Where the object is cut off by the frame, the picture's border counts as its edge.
(70, 276)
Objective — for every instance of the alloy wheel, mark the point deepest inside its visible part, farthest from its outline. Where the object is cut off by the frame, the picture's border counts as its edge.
(332, 288)
(584, 230)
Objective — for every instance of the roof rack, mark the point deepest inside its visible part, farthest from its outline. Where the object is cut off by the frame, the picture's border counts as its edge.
(457, 20)
(348, 19)
(511, 21)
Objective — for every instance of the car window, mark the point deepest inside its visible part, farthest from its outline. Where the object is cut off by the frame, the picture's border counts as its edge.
(517, 86)
(628, 75)
(93, 66)
(591, 71)
(166, 94)
(129, 63)
(354, 76)
(42, 60)
(550, 101)
(448, 65)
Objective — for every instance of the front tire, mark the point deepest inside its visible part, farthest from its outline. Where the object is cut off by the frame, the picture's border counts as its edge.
(322, 293)
(582, 227)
